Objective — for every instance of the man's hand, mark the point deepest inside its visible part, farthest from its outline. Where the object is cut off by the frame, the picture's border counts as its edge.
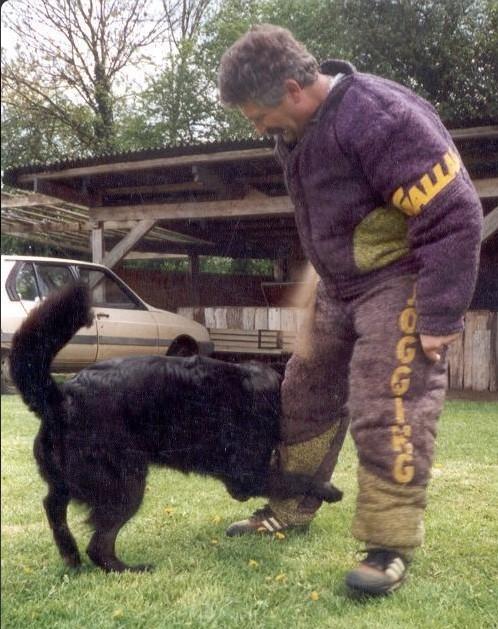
(434, 345)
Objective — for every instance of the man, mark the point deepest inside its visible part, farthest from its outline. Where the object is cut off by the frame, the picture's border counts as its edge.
(388, 217)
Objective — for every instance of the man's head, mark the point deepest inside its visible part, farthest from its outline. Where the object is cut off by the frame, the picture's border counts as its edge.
(271, 77)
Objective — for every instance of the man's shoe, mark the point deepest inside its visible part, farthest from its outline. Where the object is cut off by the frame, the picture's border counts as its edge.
(261, 521)
(381, 572)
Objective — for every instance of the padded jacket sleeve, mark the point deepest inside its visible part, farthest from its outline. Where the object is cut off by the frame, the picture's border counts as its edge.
(409, 160)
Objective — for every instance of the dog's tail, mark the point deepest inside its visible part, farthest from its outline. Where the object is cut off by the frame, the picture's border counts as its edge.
(42, 335)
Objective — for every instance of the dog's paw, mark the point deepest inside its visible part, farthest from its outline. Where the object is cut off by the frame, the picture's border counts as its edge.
(239, 495)
(329, 492)
(72, 560)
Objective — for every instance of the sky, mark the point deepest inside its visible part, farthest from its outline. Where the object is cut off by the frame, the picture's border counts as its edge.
(130, 76)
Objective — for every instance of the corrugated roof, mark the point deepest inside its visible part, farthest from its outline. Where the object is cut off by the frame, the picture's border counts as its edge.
(241, 143)
(172, 150)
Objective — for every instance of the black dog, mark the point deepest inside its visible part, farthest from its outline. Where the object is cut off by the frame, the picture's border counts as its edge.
(101, 429)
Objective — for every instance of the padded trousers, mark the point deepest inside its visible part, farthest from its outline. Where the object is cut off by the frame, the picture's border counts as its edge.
(360, 363)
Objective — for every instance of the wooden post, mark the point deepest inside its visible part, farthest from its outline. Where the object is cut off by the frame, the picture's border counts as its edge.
(280, 270)
(97, 239)
(194, 279)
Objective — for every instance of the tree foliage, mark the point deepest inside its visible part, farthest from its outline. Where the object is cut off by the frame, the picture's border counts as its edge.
(68, 89)
(179, 102)
(446, 50)
(72, 54)
(93, 76)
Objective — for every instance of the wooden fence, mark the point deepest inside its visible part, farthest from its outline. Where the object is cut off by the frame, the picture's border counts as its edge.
(472, 360)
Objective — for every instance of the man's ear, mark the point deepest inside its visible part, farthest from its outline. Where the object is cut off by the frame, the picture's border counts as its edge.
(293, 90)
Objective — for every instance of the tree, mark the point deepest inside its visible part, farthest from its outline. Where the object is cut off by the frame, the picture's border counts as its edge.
(177, 103)
(446, 50)
(29, 135)
(64, 90)
(74, 52)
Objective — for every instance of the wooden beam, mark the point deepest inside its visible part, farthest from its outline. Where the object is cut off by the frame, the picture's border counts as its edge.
(129, 241)
(475, 133)
(28, 200)
(19, 227)
(47, 227)
(137, 255)
(486, 188)
(50, 227)
(148, 164)
(268, 206)
(63, 192)
(174, 248)
(254, 194)
(207, 175)
(490, 226)
(189, 186)
(57, 240)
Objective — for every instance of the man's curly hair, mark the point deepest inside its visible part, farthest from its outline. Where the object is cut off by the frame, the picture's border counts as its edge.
(256, 66)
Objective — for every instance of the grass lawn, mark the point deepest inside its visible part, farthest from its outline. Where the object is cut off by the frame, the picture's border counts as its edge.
(204, 579)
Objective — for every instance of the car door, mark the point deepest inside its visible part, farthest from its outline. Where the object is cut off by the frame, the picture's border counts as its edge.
(33, 281)
(124, 324)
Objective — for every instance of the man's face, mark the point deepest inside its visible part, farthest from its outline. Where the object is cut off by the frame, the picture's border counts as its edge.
(279, 120)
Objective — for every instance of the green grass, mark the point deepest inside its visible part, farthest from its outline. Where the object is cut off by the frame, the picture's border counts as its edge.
(204, 579)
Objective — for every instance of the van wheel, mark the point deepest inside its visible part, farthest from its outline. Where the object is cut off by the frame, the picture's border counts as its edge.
(7, 384)
(183, 347)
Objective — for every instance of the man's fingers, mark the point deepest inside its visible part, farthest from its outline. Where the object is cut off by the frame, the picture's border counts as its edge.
(435, 346)
(432, 355)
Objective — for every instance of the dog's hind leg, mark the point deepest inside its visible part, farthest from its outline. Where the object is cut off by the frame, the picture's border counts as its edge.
(108, 519)
(55, 504)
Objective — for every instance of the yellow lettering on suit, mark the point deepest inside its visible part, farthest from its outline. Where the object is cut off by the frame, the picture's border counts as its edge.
(403, 469)
(408, 320)
(405, 353)
(413, 200)
(400, 382)
(400, 434)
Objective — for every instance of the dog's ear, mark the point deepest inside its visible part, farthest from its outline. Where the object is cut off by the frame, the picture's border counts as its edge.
(327, 492)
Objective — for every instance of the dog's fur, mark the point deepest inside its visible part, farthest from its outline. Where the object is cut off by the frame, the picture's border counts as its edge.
(101, 429)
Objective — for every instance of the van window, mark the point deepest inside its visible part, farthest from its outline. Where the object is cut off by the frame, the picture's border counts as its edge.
(25, 284)
(52, 277)
(106, 292)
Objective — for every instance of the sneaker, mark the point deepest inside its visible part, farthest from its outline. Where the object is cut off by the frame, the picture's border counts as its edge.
(381, 572)
(261, 521)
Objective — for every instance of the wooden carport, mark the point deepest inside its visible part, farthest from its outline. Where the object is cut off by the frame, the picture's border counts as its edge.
(216, 199)
(225, 199)
(222, 199)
